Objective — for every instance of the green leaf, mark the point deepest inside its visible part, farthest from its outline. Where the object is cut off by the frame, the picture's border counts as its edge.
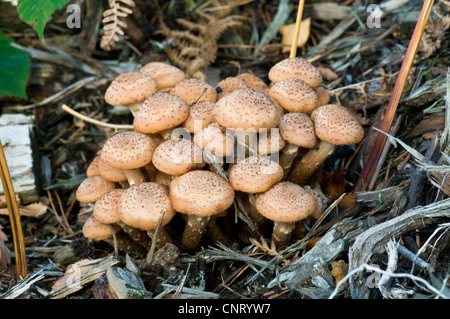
(37, 12)
(14, 69)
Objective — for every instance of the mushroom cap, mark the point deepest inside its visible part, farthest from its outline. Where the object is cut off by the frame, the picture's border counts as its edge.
(215, 140)
(93, 167)
(285, 202)
(93, 229)
(201, 193)
(191, 89)
(255, 174)
(270, 142)
(111, 173)
(323, 95)
(294, 95)
(159, 112)
(229, 85)
(128, 150)
(253, 81)
(166, 75)
(177, 156)
(141, 206)
(336, 125)
(298, 129)
(296, 68)
(247, 109)
(130, 87)
(92, 188)
(105, 208)
(201, 114)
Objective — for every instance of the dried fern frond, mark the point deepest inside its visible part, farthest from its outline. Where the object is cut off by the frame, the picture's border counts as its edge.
(113, 26)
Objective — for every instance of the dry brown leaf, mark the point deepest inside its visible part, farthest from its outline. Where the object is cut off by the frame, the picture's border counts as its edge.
(287, 34)
(31, 210)
(73, 274)
(339, 270)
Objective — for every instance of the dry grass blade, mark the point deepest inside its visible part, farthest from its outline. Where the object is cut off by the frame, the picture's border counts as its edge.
(112, 23)
(380, 140)
(298, 24)
(14, 216)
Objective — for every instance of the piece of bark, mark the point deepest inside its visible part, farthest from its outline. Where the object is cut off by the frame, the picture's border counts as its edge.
(431, 91)
(126, 284)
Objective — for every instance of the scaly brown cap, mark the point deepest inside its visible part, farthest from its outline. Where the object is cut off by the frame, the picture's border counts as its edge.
(294, 95)
(191, 89)
(93, 229)
(298, 129)
(105, 208)
(215, 140)
(229, 85)
(296, 68)
(166, 75)
(253, 81)
(92, 188)
(201, 114)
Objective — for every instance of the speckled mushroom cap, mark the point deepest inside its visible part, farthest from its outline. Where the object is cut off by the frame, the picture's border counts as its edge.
(93, 229)
(229, 85)
(298, 129)
(323, 95)
(92, 188)
(166, 75)
(296, 68)
(191, 89)
(159, 112)
(247, 109)
(142, 205)
(128, 150)
(270, 142)
(105, 208)
(215, 140)
(201, 193)
(336, 125)
(285, 202)
(201, 114)
(111, 173)
(253, 81)
(92, 169)
(294, 95)
(130, 87)
(255, 174)
(177, 156)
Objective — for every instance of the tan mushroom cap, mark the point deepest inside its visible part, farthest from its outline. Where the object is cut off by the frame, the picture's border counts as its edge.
(298, 129)
(105, 208)
(201, 114)
(93, 229)
(215, 140)
(93, 167)
(191, 89)
(255, 174)
(336, 125)
(247, 109)
(130, 87)
(141, 206)
(111, 173)
(294, 95)
(270, 142)
(128, 150)
(323, 95)
(159, 112)
(166, 75)
(177, 156)
(253, 81)
(296, 68)
(201, 193)
(229, 85)
(285, 202)
(92, 188)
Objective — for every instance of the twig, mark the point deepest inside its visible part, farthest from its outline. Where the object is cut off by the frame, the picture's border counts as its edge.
(298, 23)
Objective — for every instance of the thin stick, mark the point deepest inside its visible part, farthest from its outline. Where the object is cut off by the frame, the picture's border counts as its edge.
(298, 23)
(14, 216)
(96, 122)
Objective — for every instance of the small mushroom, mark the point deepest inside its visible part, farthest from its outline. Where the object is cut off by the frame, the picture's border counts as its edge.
(130, 88)
(215, 140)
(166, 75)
(200, 195)
(285, 203)
(201, 114)
(94, 229)
(323, 95)
(193, 90)
(253, 81)
(92, 188)
(296, 68)
(92, 168)
(129, 151)
(297, 129)
(270, 142)
(229, 85)
(334, 125)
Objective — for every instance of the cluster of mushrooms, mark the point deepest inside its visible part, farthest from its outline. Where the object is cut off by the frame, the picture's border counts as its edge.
(196, 148)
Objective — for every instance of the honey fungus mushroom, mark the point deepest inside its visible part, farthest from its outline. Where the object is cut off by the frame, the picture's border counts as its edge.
(285, 204)
(296, 68)
(201, 114)
(92, 188)
(334, 125)
(130, 89)
(193, 90)
(200, 195)
(165, 75)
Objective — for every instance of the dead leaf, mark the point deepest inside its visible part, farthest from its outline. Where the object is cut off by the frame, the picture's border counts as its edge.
(31, 210)
(287, 32)
(339, 270)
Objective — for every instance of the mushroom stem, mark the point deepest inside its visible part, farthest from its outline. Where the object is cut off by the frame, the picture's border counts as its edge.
(136, 234)
(162, 237)
(194, 230)
(282, 232)
(215, 233)
(309, 163)
(287, 156)
(260, 220)
(134, 176)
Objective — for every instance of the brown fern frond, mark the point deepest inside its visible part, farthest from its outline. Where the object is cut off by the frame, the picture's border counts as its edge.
(113, 26)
